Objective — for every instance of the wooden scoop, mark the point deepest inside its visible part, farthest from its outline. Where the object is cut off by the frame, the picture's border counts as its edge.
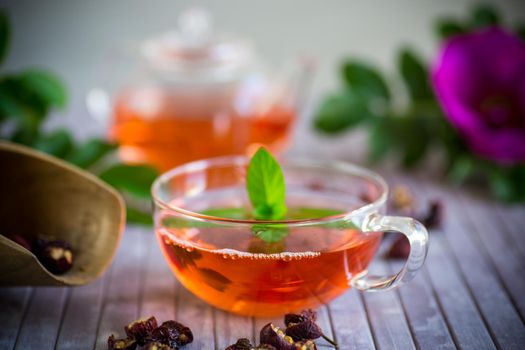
(43, 196)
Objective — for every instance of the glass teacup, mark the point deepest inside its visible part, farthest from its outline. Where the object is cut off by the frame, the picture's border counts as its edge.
(265, 268)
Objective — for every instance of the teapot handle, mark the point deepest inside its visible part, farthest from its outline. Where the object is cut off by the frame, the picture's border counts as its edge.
(418, 238)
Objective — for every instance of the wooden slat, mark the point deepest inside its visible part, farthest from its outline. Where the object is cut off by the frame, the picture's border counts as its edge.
(40, 326)
(229, 328)
(513, 219)
(387, 319)
(502, 250)
(197, 315)
(429, 328)
(352, 330)
(79, 326)
(460, 310)
(13, 303)
(159, 296)
(497, 309)
(122, 299)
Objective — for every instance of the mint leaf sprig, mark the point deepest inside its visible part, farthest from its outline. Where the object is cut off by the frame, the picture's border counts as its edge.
(267, 192)
(265, 187)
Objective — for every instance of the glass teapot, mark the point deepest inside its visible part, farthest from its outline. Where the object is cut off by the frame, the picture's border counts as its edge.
(195, 93)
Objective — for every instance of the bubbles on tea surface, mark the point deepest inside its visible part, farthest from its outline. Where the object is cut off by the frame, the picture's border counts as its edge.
(286, 256)
(232, 254)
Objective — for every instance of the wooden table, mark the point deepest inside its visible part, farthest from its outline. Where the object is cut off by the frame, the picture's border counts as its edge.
(469, 295)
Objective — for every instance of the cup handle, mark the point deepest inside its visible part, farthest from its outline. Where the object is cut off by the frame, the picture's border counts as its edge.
(417, 236)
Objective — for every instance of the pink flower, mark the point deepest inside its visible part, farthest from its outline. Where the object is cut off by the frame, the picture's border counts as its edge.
(479, 80)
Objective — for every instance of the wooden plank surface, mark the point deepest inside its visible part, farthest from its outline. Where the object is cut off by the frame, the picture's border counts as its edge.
(501, 318)
(13, 303)
(39, 329)
(350, 321)
(469, 294)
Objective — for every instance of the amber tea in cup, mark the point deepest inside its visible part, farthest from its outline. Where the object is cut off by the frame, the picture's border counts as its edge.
(324, 245)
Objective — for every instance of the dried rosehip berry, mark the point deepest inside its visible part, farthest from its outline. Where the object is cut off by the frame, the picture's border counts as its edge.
(20, 240)
(157, 346)
(241, 344)
(141, 329)
(121, 344)
(307, 314)
(434, 216)
(304, 331)
(305, 345)
(172, 333)
(265, 347)
(302, 326)
(400, 249)
(402, 199)
(273, 335)
(56, 255)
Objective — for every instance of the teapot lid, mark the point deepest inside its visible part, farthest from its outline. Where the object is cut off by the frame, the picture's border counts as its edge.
(195, 51)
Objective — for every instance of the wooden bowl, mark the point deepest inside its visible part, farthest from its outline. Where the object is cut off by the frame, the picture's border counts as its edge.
(43, 196)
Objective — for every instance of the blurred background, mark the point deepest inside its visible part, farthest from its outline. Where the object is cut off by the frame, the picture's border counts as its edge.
(71, 38)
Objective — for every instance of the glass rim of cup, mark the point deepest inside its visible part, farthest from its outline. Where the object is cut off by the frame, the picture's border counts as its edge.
(239, 160)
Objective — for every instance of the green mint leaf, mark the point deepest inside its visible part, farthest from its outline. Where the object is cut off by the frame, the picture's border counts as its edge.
(265, 187)
(447, 27)
(303, 213)
(270, 233)
(90, 152)
(133, 179)
(484, 15)
(364, 80)
(4, 35)
(179, 222)
(237, 213)
(45, 86)
(415, 75)
(57, 143)
(340, 112)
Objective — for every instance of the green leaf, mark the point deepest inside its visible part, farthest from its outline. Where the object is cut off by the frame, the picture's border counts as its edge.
(415, 75)
(520, 30)
(265, 186)
(90, 152)
(136, 216)
(447, 28)
(303, 213)
(133, 179)
(57, 143)
(364, 80)
(462, 168)
(179, 222)
(237, 213)
(270, 233)
(378, 140)
(46, 86)
(340, 112)
(501, 186)
(409, 136)
(484, 16)
(5, 35)
(508, 183)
